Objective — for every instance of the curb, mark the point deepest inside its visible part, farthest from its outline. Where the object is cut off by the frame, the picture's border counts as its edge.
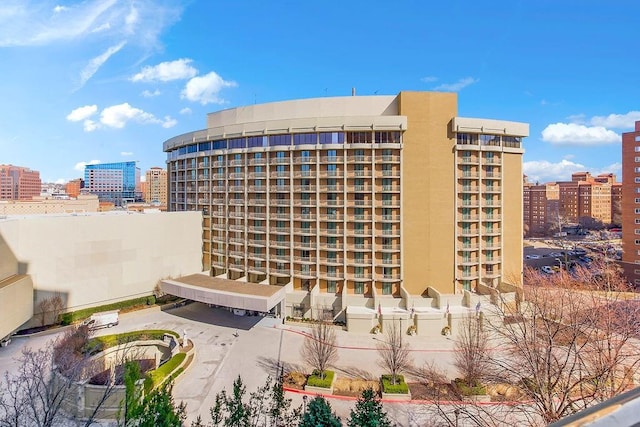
(413, 401)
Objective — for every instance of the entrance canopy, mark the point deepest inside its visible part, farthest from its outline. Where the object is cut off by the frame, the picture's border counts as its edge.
(225, 292)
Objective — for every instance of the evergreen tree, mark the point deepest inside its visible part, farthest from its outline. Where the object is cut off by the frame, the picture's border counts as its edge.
(368, 412)
(159, 410)
(238, 412)
(319, 414)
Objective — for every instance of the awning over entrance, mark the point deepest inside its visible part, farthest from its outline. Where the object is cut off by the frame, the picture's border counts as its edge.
(225, 292)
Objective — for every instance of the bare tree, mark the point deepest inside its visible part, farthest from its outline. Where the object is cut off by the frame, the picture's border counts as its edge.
(571, 343)
(394, 352)
(42, 309)
(319, 348)
(57, 306)
(47, 379)
(471, 350)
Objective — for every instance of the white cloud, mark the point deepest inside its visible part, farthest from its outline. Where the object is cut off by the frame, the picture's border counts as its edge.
(143, 178)
(60, 181)
(169, 122)
(166, 71)
(82, 113)
(205, 89)
(186, 110)
(576, 134)
(89, 125)
(94, 65)
(117, 116)
(578, 119)
(544, 171)
(27, 23)
(80, 165)
(429, 79)
(126, 153)
(617, 121)
(149, 94)
(457, 86)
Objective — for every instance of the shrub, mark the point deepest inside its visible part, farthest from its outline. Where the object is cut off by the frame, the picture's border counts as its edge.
(474, 389)
(66, 319)
(151, 299)
(400, 387)
(74, 316)
(315, 379)
(158, 376)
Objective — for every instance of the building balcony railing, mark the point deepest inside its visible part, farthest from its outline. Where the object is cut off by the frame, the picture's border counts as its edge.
(304, 216)
(280, 202)
(236, 227)
(307, 231)
(236, 267)
(331, 173)
(469, 203)
(492, 160)
(390, 203)
(304, 174)
(254, 242)
(389, 262)
(391, 232)
(331, 202)
(280, 230)
(331, 159)
(491, 231)
(468, 261)
(236, 202)
(256, 269)
(361, 188)
(280, 271)
(279, 188)
(236, 162)
(468, 189)
(336, 260)
(309, 274)
(468, 160)
(260, 202)
(391, 188)
(492, 218)
(468, 218)
(236, 241)
(279, 160)
(391, 173)
(470, 247)
(389, 218)
(388, 158)
(331, 188)
(390, 247)
(360, 174)
(303, 159)
(362, 246)
(326, 245)
(361, 276)
(331, 231)
(257, 175)
(331, 274)
(359, 232)
(218, 226)
(257, 188)
(467, 232)
(491, 246)
(492, 189)
(299, 244)
(352, 202)
(309, 260)
(358, 218)
(258, 229)
(237, 254)
(279, 215)
(492, 175)
(279, 174)
(358, 159)
(491, 260)
(311, 202)
(260, 161)
(468, 174)
(310, 188)
(467, 276)
(331, 217)
(257, 215)
(218, 163)
(491, 203)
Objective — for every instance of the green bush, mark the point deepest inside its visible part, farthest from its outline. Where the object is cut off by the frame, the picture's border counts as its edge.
(475, 389)
(151, 299)
(158, 376)
(75, 316)
(400, 387)
(315, 379)
(66, 319)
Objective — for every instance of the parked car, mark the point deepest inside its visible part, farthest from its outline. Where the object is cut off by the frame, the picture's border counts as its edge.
(532, 256)
(547, 269)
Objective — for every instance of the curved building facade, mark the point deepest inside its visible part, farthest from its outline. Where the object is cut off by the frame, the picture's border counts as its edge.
(363, 201)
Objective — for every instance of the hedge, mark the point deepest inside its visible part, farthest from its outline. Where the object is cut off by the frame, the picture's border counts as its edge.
(315, 380)
(476, 389)
(400, 387)
(74, 316)
(157, 376)
(98, 344)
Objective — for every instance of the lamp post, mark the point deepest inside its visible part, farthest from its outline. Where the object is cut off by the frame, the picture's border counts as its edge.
(304, 404)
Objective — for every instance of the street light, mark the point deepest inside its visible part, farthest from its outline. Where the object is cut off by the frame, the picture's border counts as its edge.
(304, 404)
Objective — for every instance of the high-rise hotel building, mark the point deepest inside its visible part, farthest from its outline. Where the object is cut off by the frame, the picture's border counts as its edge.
(631, 205)
(355, 201)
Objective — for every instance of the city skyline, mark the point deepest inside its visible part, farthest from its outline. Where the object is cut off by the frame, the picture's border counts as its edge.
(109, 81)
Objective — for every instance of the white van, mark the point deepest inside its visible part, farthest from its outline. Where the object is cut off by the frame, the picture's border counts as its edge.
(104, 319)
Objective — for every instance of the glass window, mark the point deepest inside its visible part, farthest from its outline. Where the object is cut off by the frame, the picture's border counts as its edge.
(358, 288)
(386, 288)
(237, 143)
(257, 141)
(279, 140)
(304, 138)
(220, 144)
(331, 286)
(331, 138)
(359, 137)
(204, 146)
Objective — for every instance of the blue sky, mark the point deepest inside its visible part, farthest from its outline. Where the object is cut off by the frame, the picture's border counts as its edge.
(110, 80)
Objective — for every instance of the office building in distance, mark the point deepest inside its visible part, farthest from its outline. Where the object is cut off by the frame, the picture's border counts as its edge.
(155, 186)
(117, 183)
(355, 204)
(19, 183)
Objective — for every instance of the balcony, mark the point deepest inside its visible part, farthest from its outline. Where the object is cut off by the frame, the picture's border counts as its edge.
(491, 203)
(360, 218)
(390, 248)
(360, 174)
(279, 160)
(468, 160)
(392, 232)
(326, 245)
(494, 231)
(237, 254)
(467, 232)
(307, 260)
(331, 202)
(236, 162)
(332, 274)
(358, 159)
(389, 218)
(468, 174)
(218, 164)
(236, 267)
(257, 175)
(254, 242)
(279, 188)
(492, 160)
(467, 275)
(235, 214)
(307, 274)
(259, 202)
(305, 231)
(331, 261)
(492, 175)
(283, 259)
(258, 270)
(469, 247)
(331, 159)
(366, 276)
(236, 227)
(309, 188)
(390, 203)
(304, 216)
(491, 260)
(236, 175)
(331, 173)
(469, 203)
(281, 202)
(258, 229)
(389, 262)
(359, 232)
(280, 271)
(218, 226)
(388, 159)
(280, 230)
(309, 202)
(492, 189)
(257, 215)
(236, 202)
(352, 202)
(468, 218)
(468, 189)
(492, 218)
(331, 231)
(258, 188)
(468, 261)
(280, 215)
(260, 161)
(331, 217)
(331, 188)
(304, 174)
(236, 241)
(303, 159)
(391, 173)
(299, 244)
(362, 246)
(279, 174)
(391, 188)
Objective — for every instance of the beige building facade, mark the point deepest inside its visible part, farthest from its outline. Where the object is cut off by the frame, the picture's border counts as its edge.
(155, 186)
(375, 203)
(96, 259)
(46, 205)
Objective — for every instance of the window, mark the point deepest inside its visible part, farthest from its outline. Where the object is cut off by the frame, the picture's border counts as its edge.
(387, 288)
(331, 286)
(358, 288)
(358, 257)
(637, 148)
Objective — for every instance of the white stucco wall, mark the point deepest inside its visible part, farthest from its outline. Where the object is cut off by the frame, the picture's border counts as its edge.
(95, 259)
